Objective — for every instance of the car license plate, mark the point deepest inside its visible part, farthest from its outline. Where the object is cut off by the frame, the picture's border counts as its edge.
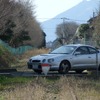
(35, 65)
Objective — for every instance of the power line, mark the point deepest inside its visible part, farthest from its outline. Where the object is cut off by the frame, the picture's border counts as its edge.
(48, 18)
(49, 28)
(65, 18)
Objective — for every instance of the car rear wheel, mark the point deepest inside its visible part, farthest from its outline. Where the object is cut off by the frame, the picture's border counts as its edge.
(64, 67)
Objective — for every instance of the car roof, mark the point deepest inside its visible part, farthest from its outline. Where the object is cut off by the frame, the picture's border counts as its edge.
(78, 45)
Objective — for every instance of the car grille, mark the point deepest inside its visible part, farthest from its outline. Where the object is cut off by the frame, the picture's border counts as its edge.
(36, 61)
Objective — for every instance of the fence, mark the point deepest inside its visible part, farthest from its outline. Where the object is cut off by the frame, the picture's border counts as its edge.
(19, 50)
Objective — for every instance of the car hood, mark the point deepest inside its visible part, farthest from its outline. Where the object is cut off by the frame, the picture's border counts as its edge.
(47, 56)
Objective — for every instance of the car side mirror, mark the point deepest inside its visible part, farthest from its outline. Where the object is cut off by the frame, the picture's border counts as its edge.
(77, 53)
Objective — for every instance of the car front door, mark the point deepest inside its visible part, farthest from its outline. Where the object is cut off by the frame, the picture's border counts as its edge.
(81, 58)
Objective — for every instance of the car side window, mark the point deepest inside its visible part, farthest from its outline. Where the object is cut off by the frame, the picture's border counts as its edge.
(82, 50)
(92, 50)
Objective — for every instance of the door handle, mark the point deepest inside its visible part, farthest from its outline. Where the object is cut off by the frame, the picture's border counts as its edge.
(89, 57)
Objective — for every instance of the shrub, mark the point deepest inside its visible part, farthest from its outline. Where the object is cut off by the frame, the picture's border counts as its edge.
(6, 58)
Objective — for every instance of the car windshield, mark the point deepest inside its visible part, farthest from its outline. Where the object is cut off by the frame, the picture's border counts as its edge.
(63, 50)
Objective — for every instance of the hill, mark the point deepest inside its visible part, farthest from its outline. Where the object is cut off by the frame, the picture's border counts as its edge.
(80, 13)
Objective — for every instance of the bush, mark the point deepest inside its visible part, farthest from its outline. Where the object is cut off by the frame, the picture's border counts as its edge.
(6, 58)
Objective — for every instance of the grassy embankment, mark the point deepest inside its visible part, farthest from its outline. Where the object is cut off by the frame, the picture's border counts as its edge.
(63, 88)
(39, 88)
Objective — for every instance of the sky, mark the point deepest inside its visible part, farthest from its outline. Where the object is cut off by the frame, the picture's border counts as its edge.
(46, 9)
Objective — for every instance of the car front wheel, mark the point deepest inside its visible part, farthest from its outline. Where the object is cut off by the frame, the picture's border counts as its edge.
(64, 67)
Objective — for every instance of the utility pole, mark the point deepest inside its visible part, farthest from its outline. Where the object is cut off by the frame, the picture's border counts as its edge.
(97, 63)
(93, 15)
(64, 18)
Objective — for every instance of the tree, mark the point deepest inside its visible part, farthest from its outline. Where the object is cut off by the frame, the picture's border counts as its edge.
(95, 25)
(96, 35)
(20, 26)
(66, 30)
(84, 31)
(5, 12)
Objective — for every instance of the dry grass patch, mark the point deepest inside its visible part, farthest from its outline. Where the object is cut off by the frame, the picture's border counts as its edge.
(65, 88)
(29, 92)
(22, 63)
(34, 52)
(39, 89)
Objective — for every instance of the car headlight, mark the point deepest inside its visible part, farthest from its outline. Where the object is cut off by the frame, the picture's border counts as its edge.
(51, 60)
(44, 60)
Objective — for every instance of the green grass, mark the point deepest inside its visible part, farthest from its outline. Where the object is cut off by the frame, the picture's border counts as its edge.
(9, 82)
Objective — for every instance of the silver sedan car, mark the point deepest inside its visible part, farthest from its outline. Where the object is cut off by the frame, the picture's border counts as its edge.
(77, 57)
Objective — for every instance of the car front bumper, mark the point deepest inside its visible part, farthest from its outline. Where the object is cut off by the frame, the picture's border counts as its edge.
(34, 66)
(38, 66)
